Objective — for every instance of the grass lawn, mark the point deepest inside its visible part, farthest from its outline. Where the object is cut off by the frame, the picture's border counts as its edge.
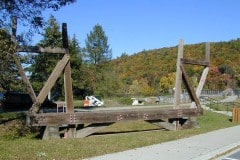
(17, 143)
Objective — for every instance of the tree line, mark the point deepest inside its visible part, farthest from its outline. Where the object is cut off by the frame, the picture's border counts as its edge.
(147, 73)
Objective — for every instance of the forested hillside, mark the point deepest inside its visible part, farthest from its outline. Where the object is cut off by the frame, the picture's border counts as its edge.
(152, 72)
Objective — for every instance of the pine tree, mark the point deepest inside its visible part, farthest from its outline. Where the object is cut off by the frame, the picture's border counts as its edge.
(9, 78)
(97, 47)
(76, 66)
(27, 13)
(43, 64)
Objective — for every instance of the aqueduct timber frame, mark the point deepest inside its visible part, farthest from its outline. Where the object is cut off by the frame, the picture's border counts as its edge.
(73, 122)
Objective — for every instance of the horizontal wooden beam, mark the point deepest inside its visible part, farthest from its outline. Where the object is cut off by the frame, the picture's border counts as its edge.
(37, 49)
(195, 62)
(110, 116)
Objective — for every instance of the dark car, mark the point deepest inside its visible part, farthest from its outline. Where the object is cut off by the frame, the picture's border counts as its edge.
(17, 101)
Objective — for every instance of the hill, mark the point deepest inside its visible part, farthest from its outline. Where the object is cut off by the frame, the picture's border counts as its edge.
(152, 72)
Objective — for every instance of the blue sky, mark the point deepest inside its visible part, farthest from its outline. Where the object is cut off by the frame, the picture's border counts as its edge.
(134, 25)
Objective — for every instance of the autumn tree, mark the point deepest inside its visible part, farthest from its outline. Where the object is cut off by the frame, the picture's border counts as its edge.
(167, 82)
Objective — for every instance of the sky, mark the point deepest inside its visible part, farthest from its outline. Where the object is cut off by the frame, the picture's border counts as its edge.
(136, 25)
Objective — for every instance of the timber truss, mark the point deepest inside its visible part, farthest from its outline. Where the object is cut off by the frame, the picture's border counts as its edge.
(74, 123)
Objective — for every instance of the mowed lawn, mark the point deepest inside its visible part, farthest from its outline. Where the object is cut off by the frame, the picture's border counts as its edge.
(16, 142)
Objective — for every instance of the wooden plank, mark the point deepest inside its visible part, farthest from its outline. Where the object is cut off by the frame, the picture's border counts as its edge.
(68, 88)
(195, 62)
(92, 128)
(18, 64)
(68, 82)
(25, 79)
(51, 81)
(67, 73)
(201, 84)
(111, 116)
(37, 49)
(189, 87)
(178, 82)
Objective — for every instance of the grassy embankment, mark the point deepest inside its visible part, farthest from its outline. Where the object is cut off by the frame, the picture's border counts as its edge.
(16, 142)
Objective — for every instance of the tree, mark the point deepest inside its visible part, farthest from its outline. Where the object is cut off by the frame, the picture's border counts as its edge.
(28, 12)
(76, 67)
(97, 47)
(167, 82)
(8, 73)
(43, 64)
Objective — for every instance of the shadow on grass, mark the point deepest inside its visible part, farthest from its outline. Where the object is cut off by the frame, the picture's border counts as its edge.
(125, 132)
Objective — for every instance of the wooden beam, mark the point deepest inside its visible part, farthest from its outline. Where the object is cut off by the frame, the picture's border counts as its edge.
(90, 129)
(67, 73)
(18, 64)
(189, 87)
(25, 79)
(52, 79)
(178, 82)
(68, 82)
(37, 49)
(110, 116)
(195, 62)
(201, 84)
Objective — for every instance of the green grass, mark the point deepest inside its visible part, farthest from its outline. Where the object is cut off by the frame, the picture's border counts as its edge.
(15, 145)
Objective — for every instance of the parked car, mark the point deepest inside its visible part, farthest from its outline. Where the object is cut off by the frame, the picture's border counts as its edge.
(17, 101)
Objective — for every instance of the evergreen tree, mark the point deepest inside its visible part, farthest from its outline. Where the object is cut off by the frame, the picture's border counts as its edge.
(29, 14)
(9, 78)
(43, 64)
(76, 67)
(97, 47)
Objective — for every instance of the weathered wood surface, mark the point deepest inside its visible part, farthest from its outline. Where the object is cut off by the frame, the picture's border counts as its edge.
(178, 82)
(37, 49)
(189, 88)
(92, 128)
(53, 78)
(18, 64)
(109, 116)
(67, 73)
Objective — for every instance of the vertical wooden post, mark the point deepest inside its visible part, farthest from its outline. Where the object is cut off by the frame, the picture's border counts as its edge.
(178, 83)
(18, 64)
(204, 74)
(68, 84)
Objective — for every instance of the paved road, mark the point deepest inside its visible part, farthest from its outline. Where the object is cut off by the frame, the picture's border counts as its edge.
(199, 147)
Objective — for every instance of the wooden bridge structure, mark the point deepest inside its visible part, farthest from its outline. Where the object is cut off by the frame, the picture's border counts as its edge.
(73, 123)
